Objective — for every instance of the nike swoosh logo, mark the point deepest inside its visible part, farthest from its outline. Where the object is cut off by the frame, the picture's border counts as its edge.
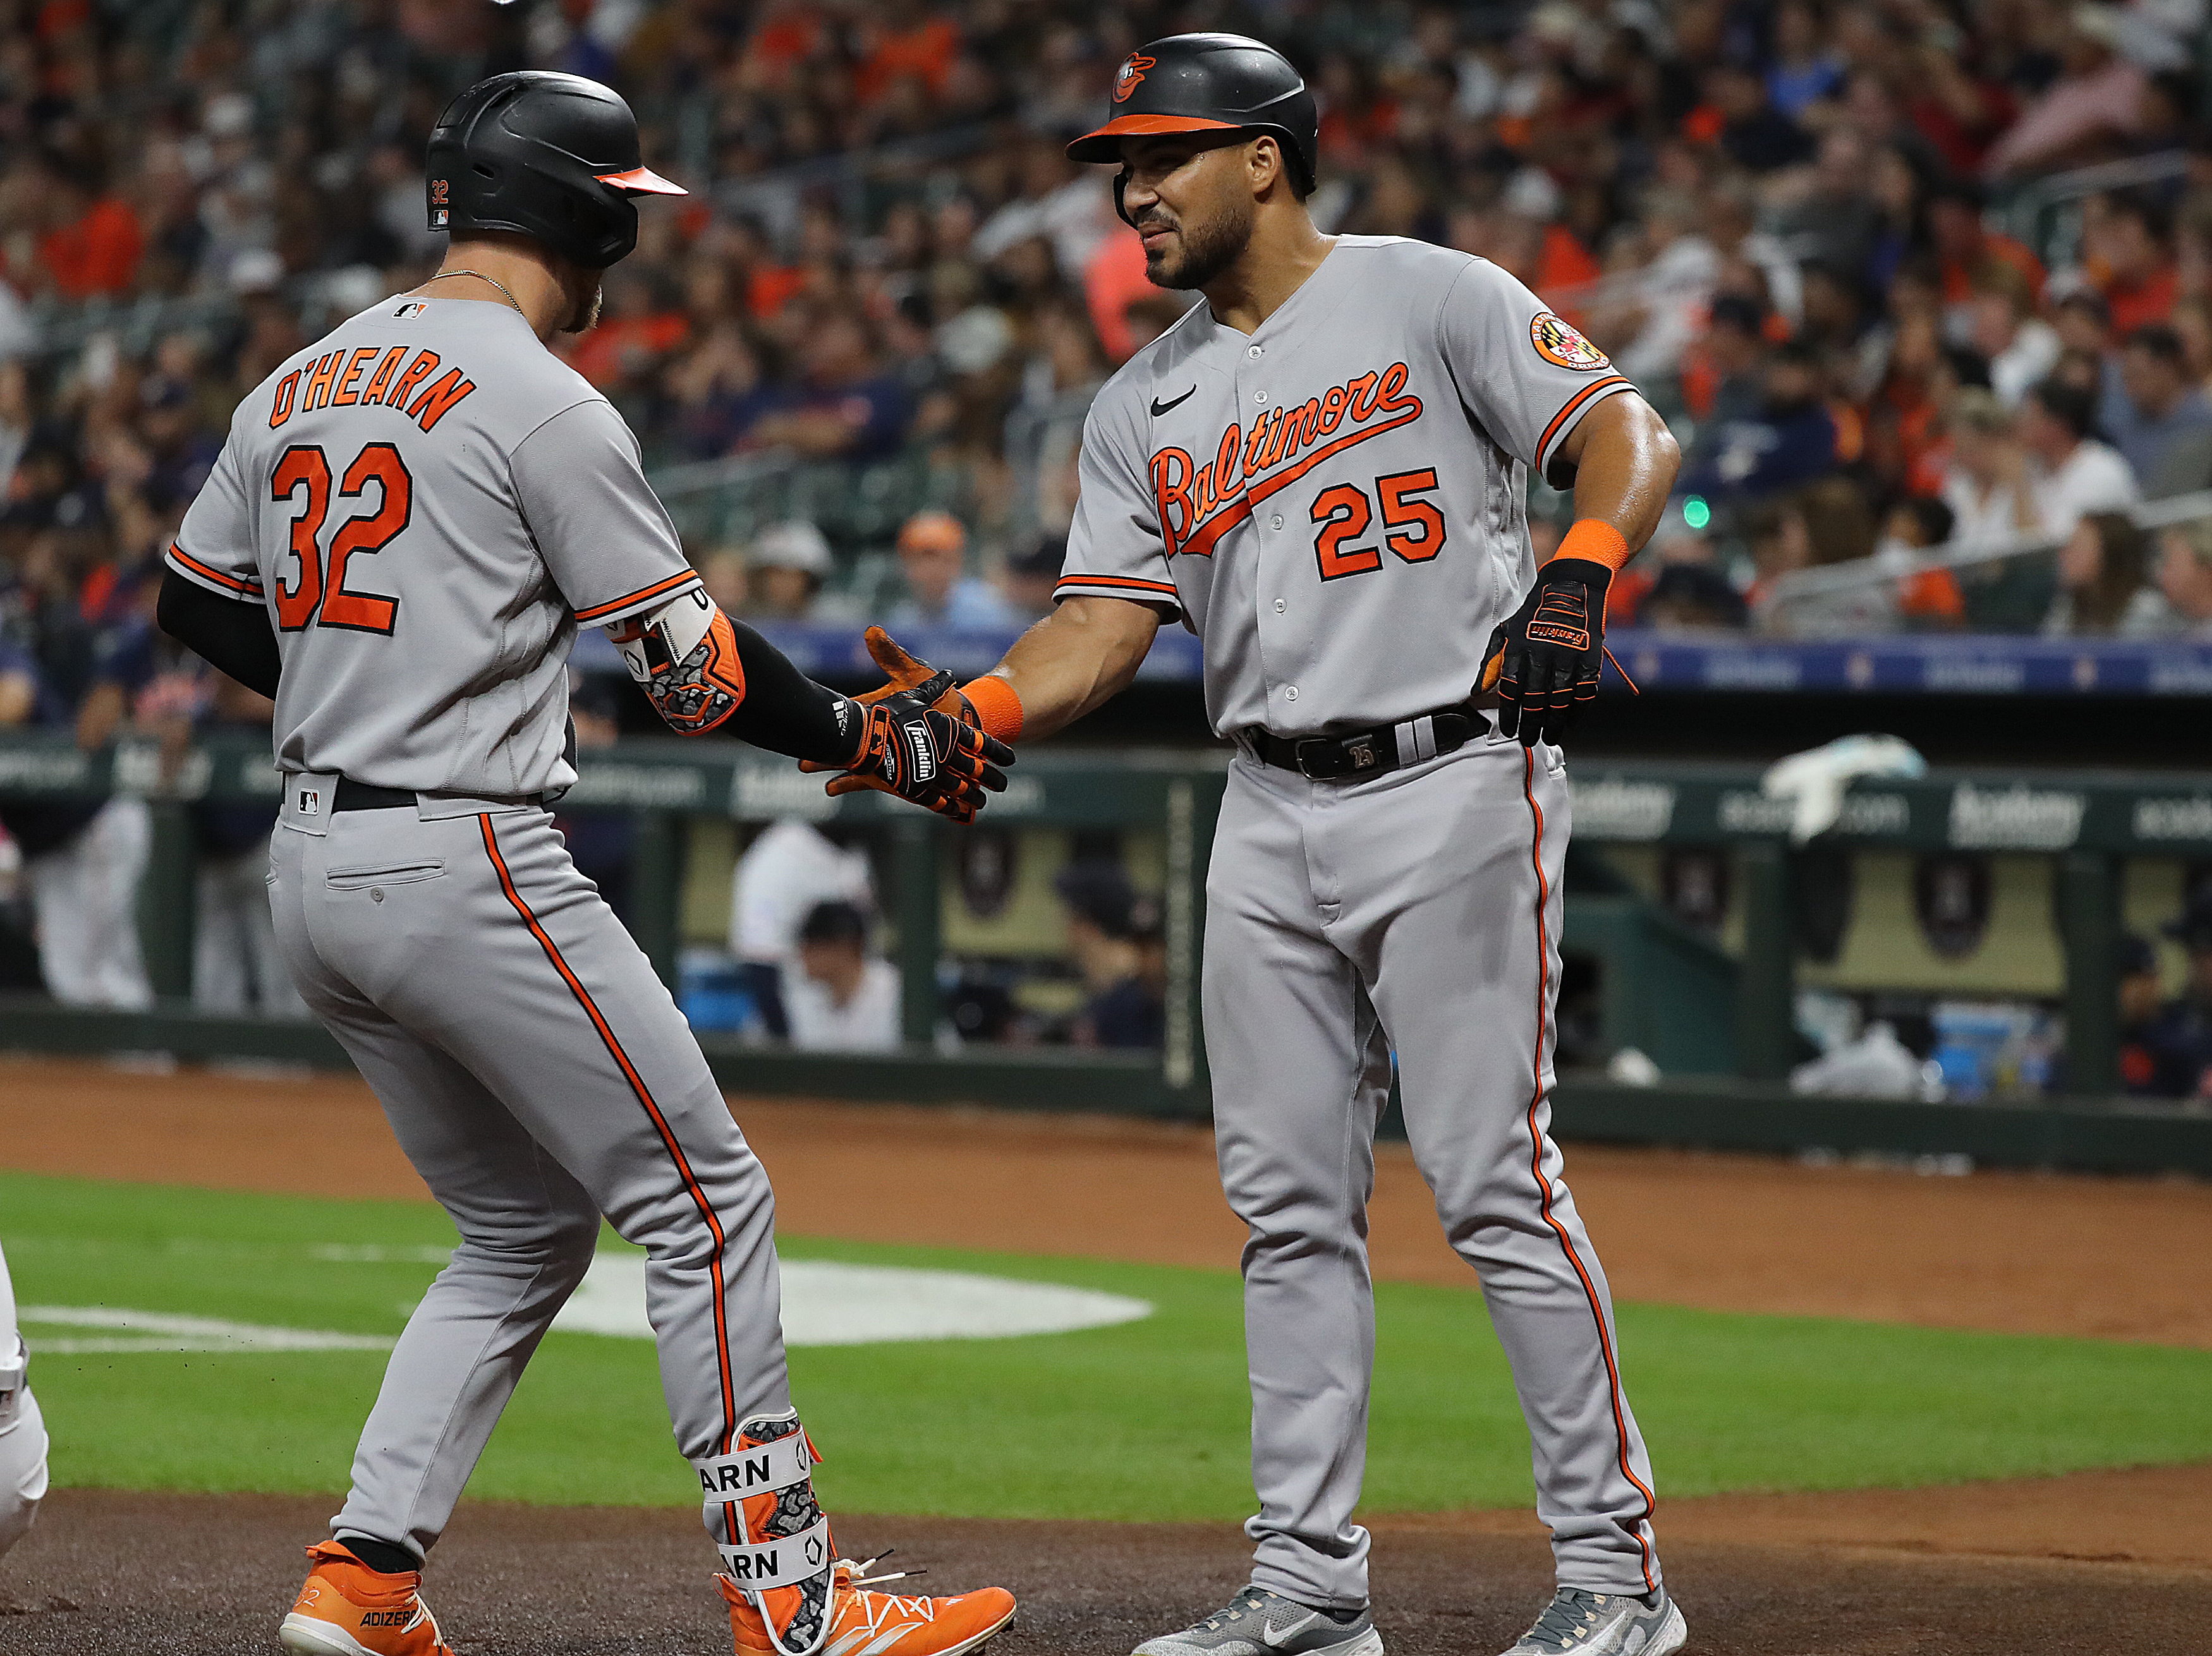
(1160, 408)
(1278, 1636)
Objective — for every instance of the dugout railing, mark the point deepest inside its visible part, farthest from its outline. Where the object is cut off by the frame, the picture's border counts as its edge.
(1735, 1005)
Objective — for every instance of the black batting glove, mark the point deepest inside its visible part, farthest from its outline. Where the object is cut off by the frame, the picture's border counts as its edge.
(928, 758)
(1544, 661)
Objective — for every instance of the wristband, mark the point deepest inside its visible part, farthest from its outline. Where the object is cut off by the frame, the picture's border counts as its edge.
(998, 708)
(1597, 541)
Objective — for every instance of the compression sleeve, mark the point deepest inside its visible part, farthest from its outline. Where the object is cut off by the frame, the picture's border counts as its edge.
(234, 636)
(703, 671)
(787, 713)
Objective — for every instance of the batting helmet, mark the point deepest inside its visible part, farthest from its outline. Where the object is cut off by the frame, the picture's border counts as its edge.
(553, 157)
(1209, 83)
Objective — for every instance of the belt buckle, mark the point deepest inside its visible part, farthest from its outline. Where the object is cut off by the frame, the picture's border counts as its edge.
(1307, 752)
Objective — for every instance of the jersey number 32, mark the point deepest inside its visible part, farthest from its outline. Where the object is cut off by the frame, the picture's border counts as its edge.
(308, 594)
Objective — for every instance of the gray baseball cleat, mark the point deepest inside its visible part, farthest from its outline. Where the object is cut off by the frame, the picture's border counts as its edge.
(1257, 1622)
(1605, 1624)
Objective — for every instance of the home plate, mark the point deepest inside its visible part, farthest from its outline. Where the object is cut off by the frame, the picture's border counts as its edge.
(830, 1304)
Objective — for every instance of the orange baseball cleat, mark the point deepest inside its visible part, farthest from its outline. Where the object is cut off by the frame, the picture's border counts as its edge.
(347, 1609)
(864, 1624)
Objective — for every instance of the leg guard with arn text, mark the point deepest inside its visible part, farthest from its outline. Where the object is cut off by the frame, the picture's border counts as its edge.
(772, 1533)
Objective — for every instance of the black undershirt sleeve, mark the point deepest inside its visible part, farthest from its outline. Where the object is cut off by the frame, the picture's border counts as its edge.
(227, 633)
(786, 712)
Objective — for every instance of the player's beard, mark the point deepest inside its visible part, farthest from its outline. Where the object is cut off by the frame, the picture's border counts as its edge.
(586, 316)
(1208, 249)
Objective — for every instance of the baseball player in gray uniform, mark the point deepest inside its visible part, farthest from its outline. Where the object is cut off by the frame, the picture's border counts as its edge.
(22, 1429)
(407, 525)
(1322, 471)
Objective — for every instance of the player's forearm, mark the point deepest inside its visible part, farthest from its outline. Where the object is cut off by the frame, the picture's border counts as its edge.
(1077, 658)
(234, 636)
(787, 713)
(1625, 462)
(703, 671)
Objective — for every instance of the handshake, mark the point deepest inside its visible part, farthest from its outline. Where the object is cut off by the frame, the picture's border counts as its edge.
(920, 738)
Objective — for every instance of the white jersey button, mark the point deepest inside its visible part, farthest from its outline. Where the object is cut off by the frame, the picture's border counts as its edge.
(1276, 521)
(1261, 397)
(1292, 694)
(1255, 351)
(1278, 606)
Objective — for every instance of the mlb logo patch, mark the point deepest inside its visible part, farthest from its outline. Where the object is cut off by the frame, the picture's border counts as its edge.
(311, 802)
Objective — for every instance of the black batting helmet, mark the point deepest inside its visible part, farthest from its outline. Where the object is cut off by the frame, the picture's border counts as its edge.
(553, 157)
(1208, 83)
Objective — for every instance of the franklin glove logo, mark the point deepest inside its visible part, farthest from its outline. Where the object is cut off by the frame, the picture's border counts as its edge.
(1561, 619)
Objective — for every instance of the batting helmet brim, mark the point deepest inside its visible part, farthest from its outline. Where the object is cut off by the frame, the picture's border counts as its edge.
(1105, 143)
(641, 181)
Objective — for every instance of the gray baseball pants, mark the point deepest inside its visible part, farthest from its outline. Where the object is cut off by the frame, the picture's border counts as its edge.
(1417, 911)
(537, 1075)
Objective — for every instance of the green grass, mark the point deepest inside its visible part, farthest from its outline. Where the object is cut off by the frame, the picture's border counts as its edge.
(1146, 1420)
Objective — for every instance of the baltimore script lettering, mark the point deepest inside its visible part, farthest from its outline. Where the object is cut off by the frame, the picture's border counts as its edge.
(1199, 504)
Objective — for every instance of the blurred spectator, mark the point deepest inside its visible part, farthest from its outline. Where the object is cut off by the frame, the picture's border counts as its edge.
(790, 867)
(1739, 112)
(1692, 598)
(2075, 474)
(1669, 292)
(1107, 926)
(2128, 240)
(723, 572)
(844, 406)
(93, 242)
(2097, 97)
(841, 999)
(2158, 406)
(2141, 995)
(1791, 440)
(1969, 254)
(932, 549)
(1806, 70)
(1721, 379)
(1029, 577)
(2101, 591)
(236, 967)
(1926, 599)
(2019, 347)
(1823, 524)
(2185, 576)
(1987, 487)
(2178, 1040)
(790, 561)
(604, 843)
(78, 618)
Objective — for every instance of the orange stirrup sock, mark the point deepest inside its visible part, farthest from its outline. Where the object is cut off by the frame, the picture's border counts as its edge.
(997, 709)
(1597, 540)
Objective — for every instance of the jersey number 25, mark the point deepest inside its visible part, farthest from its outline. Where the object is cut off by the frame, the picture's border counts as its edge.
(302, 479)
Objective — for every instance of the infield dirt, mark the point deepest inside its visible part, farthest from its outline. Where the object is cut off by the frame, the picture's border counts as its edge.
(2118, 1558)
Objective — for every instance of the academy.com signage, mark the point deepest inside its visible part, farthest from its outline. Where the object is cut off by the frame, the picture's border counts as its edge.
(2017, 818)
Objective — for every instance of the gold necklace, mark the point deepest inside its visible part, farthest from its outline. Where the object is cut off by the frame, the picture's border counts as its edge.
(481, 276)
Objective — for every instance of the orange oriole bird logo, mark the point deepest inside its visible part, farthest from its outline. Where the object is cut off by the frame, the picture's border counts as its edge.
(1132, 73)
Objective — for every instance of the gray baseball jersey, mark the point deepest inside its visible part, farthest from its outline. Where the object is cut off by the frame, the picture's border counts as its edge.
(429, 501)
(1335, 503)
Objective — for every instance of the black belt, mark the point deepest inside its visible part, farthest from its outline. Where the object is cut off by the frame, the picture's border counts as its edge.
(359, 796)
(1369, 752)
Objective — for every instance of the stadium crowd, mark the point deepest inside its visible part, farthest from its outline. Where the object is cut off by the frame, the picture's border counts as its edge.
(1781, 219)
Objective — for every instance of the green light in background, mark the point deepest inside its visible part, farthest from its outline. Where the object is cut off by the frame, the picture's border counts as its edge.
(1696, 513)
